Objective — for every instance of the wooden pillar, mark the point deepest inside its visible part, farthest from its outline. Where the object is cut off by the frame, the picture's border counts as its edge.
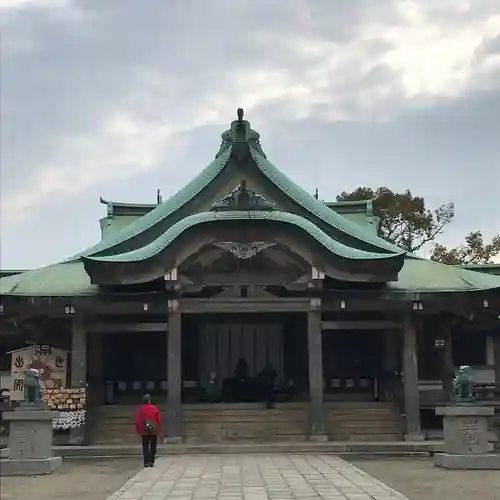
(496, 358)
(315, 349)
(448, 368)
(78, 367)
(78, 353)
(391, 353)
(95, 366)
(391, 364)
(410, 379)
(490, 349)
(174, 369)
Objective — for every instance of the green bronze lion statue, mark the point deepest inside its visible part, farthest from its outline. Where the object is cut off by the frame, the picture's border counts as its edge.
(463, 384)
(33, 387)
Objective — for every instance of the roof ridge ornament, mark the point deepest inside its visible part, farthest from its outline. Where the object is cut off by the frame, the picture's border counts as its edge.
(242, 198)
(240, 135)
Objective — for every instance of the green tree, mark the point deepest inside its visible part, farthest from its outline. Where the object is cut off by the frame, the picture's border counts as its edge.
(405, 219)
(473, 251)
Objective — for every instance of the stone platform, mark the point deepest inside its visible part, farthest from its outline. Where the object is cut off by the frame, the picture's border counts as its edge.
(352, 449)
(466, 444)
(489, 461)
(30, 443)
(33, 467)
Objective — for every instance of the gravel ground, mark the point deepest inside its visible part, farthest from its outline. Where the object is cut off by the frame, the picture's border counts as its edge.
(421, 480)
(77, 480)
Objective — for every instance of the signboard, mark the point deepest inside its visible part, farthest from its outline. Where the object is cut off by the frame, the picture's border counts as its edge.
(52, 363)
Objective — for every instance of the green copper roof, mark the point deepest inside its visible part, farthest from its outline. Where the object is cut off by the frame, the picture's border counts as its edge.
(59, 280)
(427, 276)
(364, 206)
(168, 207)
(249, 139)
(317, 207)
(69, 278)
(484, 268)
(177, 229)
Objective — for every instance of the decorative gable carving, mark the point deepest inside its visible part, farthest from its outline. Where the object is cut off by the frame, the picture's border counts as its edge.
(243, 250)
(242, 198)
(250, 291)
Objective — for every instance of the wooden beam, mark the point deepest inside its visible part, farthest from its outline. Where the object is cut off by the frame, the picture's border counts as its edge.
(359, 325)
(103, 327)
(148, 305)
(242, 278)
(242, 305)
(366, 302)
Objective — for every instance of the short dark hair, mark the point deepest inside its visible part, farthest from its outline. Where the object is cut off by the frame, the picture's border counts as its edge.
(146, 399)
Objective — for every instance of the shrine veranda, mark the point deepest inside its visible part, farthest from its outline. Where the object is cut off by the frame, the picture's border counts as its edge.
(244, 264)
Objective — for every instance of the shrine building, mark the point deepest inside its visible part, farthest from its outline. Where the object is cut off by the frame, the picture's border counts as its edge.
(192, 299)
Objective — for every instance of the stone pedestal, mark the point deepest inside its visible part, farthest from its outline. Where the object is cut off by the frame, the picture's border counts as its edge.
(30, 443)
(466, 438)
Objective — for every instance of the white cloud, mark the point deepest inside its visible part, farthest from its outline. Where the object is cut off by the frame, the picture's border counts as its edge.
(23, 4)
(435, 58)
(110, 98)
(123, 147)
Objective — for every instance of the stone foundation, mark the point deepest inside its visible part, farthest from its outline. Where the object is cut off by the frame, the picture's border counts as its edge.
(30, 443)
(466, 444)
(29, 467)
(467, 462)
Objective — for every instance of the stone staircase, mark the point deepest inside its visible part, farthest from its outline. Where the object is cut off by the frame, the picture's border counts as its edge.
(364, 421)
(222, 423)
(112, 425)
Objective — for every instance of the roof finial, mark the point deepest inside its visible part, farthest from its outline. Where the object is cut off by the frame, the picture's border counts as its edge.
(316, 194)
(240, 114)
(158, 197)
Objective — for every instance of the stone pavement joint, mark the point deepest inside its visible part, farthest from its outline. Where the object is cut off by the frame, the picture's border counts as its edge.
(254, 477)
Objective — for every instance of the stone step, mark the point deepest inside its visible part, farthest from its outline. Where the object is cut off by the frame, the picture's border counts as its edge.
(331, 423)
(242, 430)
(364, 412)
(348, 448)
(276, 430)
(362, 421)
(264, 418)
(361, 438)
(341, 407)
(348, 424)
(395, 436)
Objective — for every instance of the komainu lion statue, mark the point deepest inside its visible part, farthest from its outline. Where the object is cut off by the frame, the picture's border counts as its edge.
(33, 387)
(463, 384)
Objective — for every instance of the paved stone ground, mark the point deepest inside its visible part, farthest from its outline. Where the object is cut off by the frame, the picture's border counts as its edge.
(77, 480)
(254, 477)
(420, 480)
(258, 477)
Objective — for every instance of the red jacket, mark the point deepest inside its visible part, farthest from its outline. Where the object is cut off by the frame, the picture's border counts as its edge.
(150, 413)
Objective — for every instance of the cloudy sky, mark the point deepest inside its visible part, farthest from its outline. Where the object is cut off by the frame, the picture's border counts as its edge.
(117, 98)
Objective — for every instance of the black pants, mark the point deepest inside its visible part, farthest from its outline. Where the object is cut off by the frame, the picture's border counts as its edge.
(149, 443)
(269, 396)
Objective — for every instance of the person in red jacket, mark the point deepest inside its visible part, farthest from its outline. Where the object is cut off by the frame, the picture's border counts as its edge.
(148, 426)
